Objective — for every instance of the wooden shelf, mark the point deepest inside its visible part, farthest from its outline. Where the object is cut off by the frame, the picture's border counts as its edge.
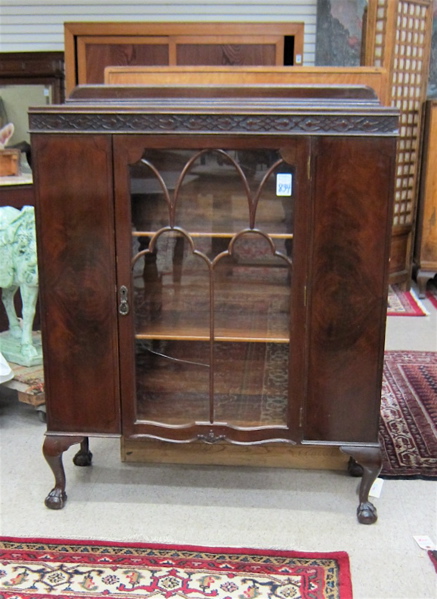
(171, 318)
(193, 335)
(209, 234)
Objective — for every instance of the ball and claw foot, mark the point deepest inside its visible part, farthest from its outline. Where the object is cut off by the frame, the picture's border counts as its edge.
(366, 513)
(354, 469)
(56, 499)
(83, 458)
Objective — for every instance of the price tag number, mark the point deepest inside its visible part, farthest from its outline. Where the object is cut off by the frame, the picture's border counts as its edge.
(284, 184)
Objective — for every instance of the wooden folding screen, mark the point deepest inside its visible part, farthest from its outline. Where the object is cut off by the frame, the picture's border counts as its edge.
(398, 37)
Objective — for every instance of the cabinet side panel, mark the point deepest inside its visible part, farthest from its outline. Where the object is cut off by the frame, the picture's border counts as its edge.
(353, 183)
(427, 222)
(77, 282)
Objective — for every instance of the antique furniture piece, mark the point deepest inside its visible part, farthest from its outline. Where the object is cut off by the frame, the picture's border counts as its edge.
(16, 191)
(28, 69)
(217, 259)
(398, 37)
(90, 47)
(34, 68)
(276, 455)
(426, 234)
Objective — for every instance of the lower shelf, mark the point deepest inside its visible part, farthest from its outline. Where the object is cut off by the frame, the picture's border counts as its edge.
(242, 384)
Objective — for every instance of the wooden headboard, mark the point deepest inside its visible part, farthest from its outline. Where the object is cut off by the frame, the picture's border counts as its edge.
(373, 77)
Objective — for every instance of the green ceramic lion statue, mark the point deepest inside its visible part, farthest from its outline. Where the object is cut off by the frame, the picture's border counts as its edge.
(19, 270)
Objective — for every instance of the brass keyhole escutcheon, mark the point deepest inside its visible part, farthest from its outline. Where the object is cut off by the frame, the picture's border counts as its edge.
(123, 308)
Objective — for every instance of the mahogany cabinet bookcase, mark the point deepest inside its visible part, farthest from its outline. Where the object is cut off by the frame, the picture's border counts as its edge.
(213, 267)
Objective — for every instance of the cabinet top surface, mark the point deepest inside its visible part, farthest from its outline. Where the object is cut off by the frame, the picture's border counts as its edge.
(230, 109)
(142, 27)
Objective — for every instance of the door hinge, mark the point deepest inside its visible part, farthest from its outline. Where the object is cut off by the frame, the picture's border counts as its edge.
(305, 296)
(309, 167)
(301, 417)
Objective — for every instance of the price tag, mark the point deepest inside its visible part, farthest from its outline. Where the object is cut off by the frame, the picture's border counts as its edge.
(283, 184)
(424, 542)
(376, 488)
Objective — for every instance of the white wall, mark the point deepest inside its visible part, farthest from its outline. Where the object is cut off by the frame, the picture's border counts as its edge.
(37, 25)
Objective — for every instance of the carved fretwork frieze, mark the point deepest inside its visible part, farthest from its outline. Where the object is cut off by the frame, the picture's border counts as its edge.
(307, 124)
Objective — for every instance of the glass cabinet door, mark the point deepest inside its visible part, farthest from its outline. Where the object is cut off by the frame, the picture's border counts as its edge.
(212, 273)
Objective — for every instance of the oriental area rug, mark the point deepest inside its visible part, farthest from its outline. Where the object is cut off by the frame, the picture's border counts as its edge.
(61, 569)
(408, 425)
(404, 303)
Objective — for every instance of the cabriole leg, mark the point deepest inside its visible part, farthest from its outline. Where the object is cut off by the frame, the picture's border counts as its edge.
(370, 460)
(53, 448)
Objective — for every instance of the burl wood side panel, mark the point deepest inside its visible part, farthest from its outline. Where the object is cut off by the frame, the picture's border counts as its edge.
(352, 186)
(75, 227)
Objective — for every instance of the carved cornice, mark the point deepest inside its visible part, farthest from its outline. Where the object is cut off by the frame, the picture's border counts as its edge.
(201, 123)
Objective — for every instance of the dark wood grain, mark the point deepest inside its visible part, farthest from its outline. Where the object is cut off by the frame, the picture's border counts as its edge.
(348, 296)
(226, 54)
(99, 56)
(77, 281)
(16, 195)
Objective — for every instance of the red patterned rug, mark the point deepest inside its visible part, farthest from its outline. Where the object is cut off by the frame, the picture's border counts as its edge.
(408, 427)
(404, 303)
(61, 569)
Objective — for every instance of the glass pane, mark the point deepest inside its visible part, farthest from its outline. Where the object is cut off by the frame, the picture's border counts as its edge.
(172, 381)
(274, 213)
(169, 279)
(252, 291)
(251, 383)
(212, 270)
(215, 199)
(152, 181)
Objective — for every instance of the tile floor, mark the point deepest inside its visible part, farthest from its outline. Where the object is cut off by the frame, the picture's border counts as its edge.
(227, 506)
